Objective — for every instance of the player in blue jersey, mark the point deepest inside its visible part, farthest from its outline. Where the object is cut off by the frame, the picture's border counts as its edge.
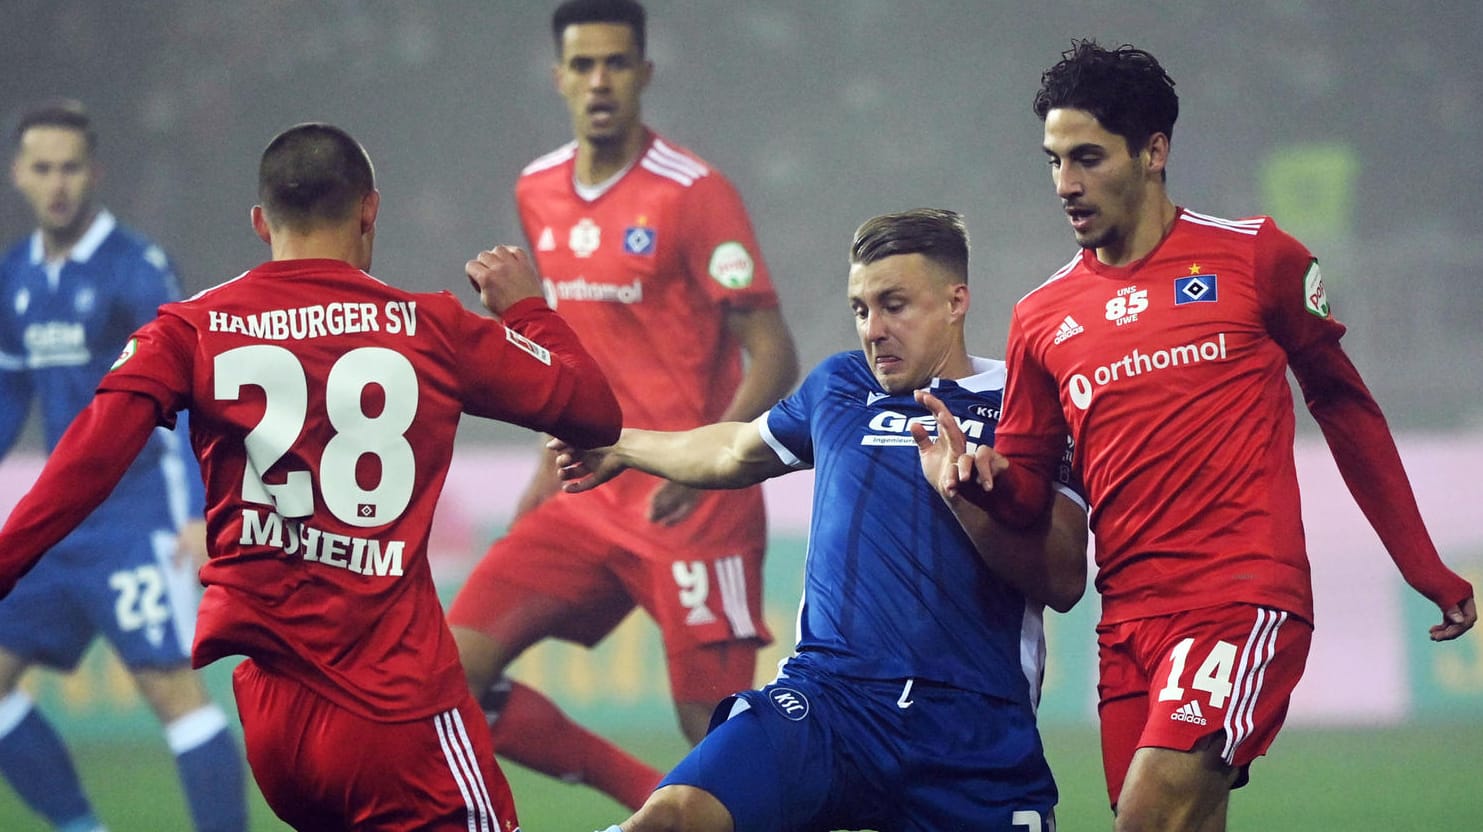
(909, 703)
(70, 295)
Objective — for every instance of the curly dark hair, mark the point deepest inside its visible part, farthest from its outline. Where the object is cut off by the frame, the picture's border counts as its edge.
(1125, 89)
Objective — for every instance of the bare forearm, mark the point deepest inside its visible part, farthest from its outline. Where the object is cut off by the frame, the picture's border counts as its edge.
(721, 455)
(771, 363)
(1046, 562)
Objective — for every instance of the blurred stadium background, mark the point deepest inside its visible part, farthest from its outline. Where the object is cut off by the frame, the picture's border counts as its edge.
(1347, 124)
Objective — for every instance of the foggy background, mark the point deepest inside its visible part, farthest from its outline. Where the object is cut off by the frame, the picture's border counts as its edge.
(1354, 128)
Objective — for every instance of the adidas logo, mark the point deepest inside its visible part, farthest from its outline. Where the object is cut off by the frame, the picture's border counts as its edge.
(1068, 328)
(700, 616)
(1189, 713)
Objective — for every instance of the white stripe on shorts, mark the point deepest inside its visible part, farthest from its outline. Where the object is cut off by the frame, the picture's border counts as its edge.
(1256, 654)
(731, 574)
(462, 763)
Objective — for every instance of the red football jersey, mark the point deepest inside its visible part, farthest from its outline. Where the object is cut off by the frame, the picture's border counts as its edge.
(643, 270)
(323, 409)
(643, 267)
(1171, 376)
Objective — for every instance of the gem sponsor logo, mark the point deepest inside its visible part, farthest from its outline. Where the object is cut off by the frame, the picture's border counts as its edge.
(892, 428)
(56, 344)
(1081, 387)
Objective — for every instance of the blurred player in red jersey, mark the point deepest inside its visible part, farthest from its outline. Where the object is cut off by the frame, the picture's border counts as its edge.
(648, 252)
(1162, 349)
(323, 408)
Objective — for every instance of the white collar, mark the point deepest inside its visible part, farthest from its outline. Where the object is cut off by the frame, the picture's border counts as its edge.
(86, 245)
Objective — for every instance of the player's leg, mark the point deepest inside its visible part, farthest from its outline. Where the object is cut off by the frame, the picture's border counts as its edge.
(544, 579)
(1177, 790)
(40, 624)
(703, 587)
(1219, 683)
(206, 754)
(768, 765)
(323, 768)
(680, 809)
(148, 614)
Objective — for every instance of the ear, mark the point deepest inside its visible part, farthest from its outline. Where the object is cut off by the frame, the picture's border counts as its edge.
(260, 225)
(556, 77)
(370, 206)
(647, 75)
(1156, 154)
(958, 301)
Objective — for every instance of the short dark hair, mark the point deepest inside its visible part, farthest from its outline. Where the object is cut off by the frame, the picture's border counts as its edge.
(56, 112)
(628, 12)
(935, 233)
(1125, 89)
(311, 174)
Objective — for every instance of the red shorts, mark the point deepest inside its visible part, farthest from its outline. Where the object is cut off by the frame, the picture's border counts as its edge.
(1170, 681)
(322, 767)
(700, 580)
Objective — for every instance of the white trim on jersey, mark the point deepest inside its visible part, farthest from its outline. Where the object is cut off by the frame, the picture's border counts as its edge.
(662, 152)
(789, 458)
(1032, 650)
(659, 168)
(1059, 273)
(463, 764)
(732, 578)
(1251, 671)
(1248, 227)
(210, 289)
(552, 159)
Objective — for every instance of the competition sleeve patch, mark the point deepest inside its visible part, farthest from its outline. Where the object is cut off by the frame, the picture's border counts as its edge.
(731, 265)
(536, 351)
(1315, 299)
(128, 352)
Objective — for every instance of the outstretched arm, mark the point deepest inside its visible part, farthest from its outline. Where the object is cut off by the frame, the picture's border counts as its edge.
(1365, 452)
(722, 455)
(87, 463)
(1046, 561)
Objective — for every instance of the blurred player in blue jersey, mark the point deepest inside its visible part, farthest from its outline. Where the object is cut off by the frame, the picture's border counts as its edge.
(70, 295)
(909, 703)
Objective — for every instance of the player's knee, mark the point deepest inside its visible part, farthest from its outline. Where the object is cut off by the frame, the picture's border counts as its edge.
(681, 809)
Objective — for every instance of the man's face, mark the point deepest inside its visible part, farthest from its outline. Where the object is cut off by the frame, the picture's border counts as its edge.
(601, 75)
(54, 171)
(907, 310)
(1101, 185)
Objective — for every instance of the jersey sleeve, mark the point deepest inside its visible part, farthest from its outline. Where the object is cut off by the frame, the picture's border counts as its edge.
(720, 248)
(156, 362)
(787, 427)
(1031, 433)
(88, 461)
(1357, 434)
(533, 371)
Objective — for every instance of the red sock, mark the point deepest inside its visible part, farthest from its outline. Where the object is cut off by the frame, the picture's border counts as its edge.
(532, 731)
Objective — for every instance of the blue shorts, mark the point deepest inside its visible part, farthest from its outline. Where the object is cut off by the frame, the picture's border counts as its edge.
(125, 586)
(814, 752)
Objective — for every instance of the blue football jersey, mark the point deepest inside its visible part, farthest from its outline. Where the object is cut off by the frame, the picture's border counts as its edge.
(62, 325)
(893, 588)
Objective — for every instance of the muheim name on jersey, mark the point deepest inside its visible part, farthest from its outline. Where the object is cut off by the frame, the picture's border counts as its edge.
(891, 428)
(362, 555)
(318, 321)
(1136, 363)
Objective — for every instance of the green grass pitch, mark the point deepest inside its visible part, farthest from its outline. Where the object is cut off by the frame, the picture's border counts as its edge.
(1413, 777)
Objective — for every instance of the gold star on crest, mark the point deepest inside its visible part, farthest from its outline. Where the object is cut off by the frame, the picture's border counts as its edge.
(1194, 268)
